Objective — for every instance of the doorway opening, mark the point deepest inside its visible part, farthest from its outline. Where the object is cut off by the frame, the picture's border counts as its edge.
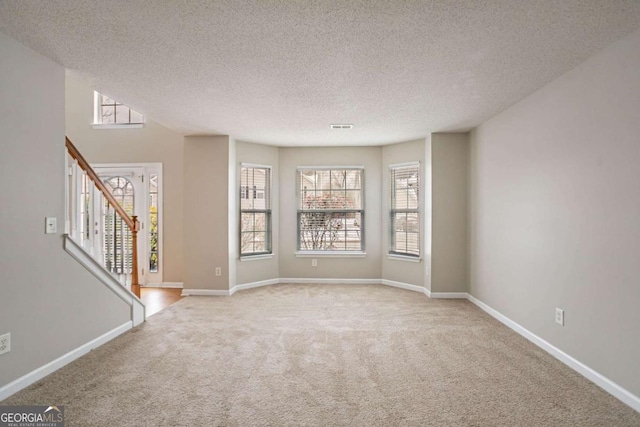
(138, 188)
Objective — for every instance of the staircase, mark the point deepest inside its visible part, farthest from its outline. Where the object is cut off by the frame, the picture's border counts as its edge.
(99, 232)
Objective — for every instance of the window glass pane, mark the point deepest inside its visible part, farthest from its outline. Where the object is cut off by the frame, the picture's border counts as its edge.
(339, 179)
(255, 205)
(122, 114)
(153, 223)
(108, 114)
(405, 205)
(353, 199)
(105, 100)
(260, 222)
(307, 180)
(247, 242)
(413, 243)
(399, 221)
(260, 240)
(136, 117)
(412, 224)
(110, 111)
(322, 180)
(329, 209)
(245, 202)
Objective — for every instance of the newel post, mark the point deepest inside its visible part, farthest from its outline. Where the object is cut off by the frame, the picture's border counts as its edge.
(135, 285)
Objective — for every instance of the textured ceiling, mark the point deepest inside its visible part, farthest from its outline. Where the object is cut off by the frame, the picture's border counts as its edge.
(279, 72)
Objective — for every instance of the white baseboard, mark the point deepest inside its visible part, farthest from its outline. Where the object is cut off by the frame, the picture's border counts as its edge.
(41, 372)
(268, 282)
(331, 281)
(611, 387)
(253, 285)
(402, 285)
(173, 285)
(205, 292)
(448, 295)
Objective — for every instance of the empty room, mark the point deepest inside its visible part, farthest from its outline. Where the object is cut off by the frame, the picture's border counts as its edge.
(297, 213)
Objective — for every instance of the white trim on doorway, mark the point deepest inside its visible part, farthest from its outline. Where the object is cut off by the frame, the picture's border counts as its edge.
(146, 169)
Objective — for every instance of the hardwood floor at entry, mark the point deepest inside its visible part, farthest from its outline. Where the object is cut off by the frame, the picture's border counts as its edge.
(157, 299)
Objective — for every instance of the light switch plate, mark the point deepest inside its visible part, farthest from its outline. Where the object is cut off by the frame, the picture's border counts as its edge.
(5, 343)
(51, 225)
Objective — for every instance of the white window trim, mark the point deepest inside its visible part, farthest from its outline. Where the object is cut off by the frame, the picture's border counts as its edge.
(97, 121)
(404, 165)
(331, 254)
(407, 258)
(400, 256)
(253, 257)
(323, 168)
(118, 126)
(244, 258)
(254, 165)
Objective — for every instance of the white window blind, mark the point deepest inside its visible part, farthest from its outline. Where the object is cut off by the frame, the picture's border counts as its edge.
(405, 210)
(255, 210)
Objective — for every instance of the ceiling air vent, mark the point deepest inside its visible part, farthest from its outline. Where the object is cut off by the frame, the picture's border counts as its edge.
(338, 126)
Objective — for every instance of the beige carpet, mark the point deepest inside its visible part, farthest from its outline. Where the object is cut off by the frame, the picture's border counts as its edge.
(325, 355)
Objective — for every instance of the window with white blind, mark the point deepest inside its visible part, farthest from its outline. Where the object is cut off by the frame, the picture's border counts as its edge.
(405, 209)
(255, 210)
(330, 209)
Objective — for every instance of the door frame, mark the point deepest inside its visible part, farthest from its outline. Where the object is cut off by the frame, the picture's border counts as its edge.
(143, 170)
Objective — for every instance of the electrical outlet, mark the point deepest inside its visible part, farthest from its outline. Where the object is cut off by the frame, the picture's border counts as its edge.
(560, 317)
(218, 271)
(5, 343)
(314, 263)
(51, 225)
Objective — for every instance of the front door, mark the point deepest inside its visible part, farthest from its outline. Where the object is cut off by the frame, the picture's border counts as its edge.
(138, 188)
(126, 186)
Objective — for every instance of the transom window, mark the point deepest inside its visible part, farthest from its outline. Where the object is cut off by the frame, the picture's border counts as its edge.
(255, 210)
(405, 210)
(108, 111)
(330, 209)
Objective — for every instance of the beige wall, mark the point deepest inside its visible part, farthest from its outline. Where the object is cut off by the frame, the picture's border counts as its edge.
(555, 212)
(153, 143)
(344, 268)
(449, 190)
(255, 270)
(206, 215)
(395, 269)
(50, 303)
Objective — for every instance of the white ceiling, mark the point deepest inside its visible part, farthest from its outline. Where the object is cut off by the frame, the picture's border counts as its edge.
(281, 71)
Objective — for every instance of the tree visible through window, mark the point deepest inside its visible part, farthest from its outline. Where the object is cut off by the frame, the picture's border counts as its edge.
(255, 210)
(405, 210)
(153, 224)
(108, 111)
(330, 210)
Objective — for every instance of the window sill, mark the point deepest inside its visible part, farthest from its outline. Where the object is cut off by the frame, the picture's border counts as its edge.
(244, 258)
(404, 258)
(118, 126)
(330, 254)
